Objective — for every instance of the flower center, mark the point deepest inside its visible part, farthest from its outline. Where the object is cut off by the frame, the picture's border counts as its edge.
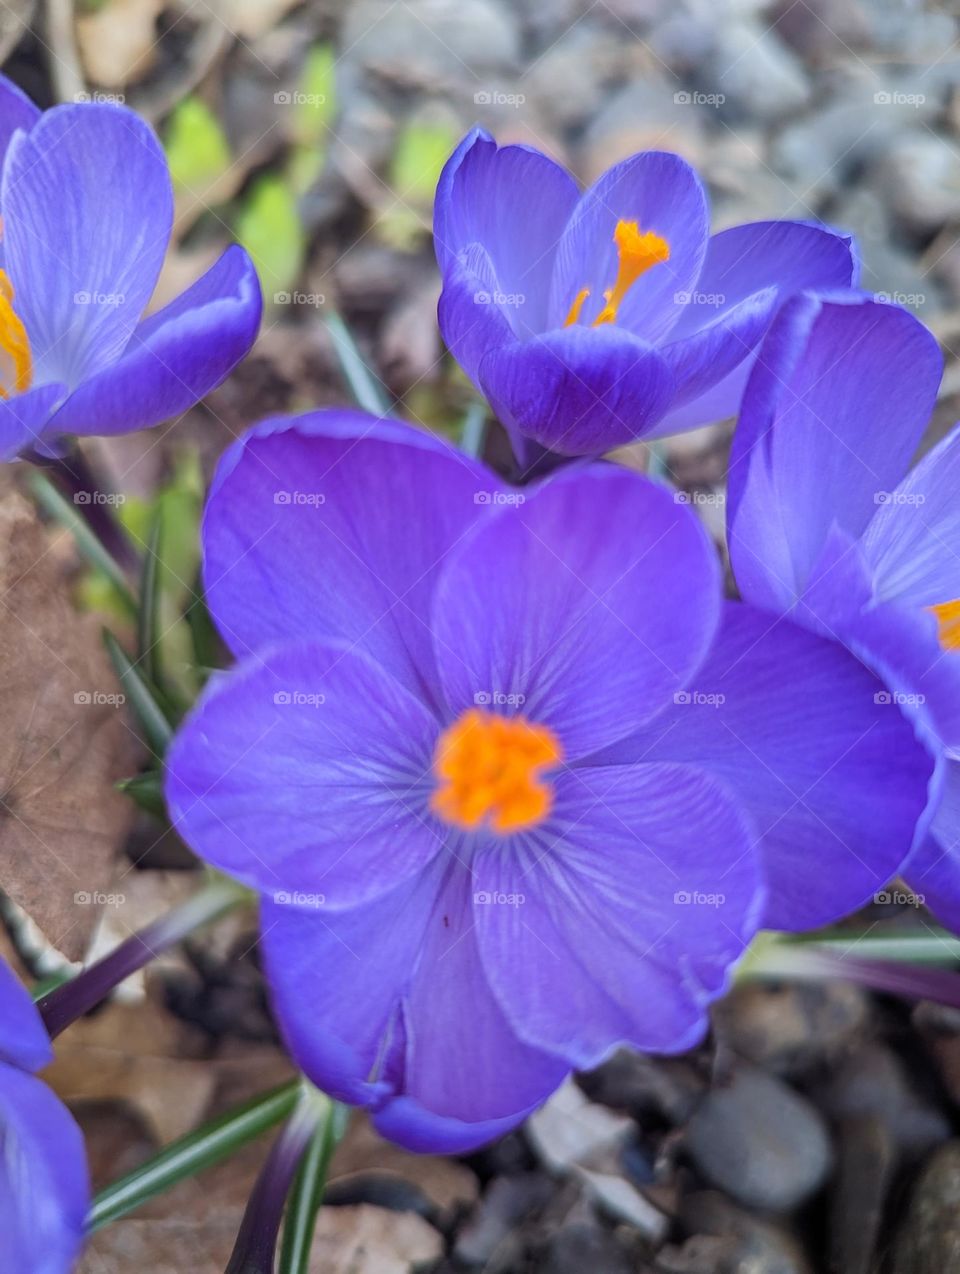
(16, 364)
(948, 617)
(637, 253)
(488, 771)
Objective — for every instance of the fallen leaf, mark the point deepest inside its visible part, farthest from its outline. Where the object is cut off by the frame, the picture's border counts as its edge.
(118, 41)
(65, 742)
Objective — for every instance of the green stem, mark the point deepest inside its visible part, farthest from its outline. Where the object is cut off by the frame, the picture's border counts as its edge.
(307, 1193)
(194, 1152)
(364, 385)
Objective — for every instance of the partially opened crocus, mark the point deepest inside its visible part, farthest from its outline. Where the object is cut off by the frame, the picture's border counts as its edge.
(44, 1182)
(87, 212)
(826, 522)
(590, 320)
(467, 888)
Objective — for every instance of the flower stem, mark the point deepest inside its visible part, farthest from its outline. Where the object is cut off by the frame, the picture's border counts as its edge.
(191, 1154)
(72, 999)
(83, 488)
(256, 1244)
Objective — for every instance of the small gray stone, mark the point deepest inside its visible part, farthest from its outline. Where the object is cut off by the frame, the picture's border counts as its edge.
(760, 1141)
(791, 1027)
(928, 1241)
(919, 176)
(507, 1202)
(755, 73)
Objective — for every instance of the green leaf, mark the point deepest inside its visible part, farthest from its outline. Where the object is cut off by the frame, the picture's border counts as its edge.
(364, 384)
(307, 1193)
(197, 148)
(191, 1154)
(148, 643)
(144, 699)
(316, 102)
(146, 790)
(269, 227)
(421, 152)
(54, 504)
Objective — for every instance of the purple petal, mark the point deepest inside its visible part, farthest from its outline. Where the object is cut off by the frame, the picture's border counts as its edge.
(174, 357)
(308, 771)
(472, 322)
(24, 419)
(663, 194)
(748, 272)
(16, 111)
(23, 1037)
(590, 632)
(834, 409)
(808, 739)
(618, 921)
(514, 203)
(911, 542)
(933, 870)
(87, 210)
(386, 1005)
(335, 524)
(580, 390)
(44, 1182)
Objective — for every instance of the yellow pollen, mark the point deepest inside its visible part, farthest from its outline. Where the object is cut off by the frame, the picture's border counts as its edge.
(948, 617)
(637, 252)
(16, 364)
(488, 771)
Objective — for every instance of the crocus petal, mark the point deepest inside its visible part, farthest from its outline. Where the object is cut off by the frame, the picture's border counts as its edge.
(748, 272)
(401, 1018)
(933, 870)
(378, 503)
(44, 1183)
(806, 737)
(662, 194)
(629, 907)
(307, 771)
(16, 111)
(913, 539)
(174, 357)
(87, 210)
(580, 390)
(514, 202)
(834, 408)
(471, 320)
(24, 418)
(23, 1038)
(590, 633)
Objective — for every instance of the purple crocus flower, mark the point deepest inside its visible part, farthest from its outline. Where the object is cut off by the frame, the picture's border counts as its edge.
(590, 320)
(826, 522)
(468, 887)
(44, 1183)
(87, 211)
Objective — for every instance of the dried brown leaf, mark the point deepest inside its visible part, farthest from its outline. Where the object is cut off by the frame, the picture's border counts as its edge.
(61, 751)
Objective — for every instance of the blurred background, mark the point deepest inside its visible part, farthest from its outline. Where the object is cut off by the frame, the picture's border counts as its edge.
(315, 132)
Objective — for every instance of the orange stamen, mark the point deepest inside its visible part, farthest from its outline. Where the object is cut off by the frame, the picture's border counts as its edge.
(948, 617)
(488, 770)
(16, 363)
(637, 253)
(574, 314)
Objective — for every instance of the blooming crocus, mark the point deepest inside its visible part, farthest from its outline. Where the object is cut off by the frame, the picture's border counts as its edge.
(826, 523)
(44, 1183)
(462, 899)
(87, 211)
(590, 320)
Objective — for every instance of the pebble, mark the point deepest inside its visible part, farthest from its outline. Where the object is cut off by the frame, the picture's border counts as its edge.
(755, 74)
(789, 1028)
(507, 1202)
(760, 1141)
(646, 1087)
(581, 1246)
(570, 1129)
(918, 175)
(928, 1241)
